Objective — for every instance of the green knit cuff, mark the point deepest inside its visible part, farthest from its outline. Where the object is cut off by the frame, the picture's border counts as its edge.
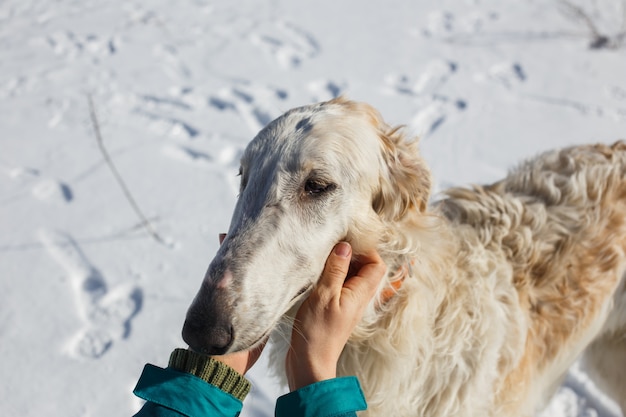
(212, 371)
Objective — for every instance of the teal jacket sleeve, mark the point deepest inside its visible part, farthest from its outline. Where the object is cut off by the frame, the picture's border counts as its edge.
(339, 397)
(171, 393)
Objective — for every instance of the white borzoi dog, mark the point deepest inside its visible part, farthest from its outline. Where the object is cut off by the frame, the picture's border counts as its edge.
(492, 293)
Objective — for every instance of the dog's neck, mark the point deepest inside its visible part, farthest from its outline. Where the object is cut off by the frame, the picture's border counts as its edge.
(395, 280)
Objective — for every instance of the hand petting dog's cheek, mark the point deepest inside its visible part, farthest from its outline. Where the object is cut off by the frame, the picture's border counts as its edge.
(328, 316)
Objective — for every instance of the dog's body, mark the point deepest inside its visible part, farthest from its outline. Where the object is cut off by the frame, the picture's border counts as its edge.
(503, 287)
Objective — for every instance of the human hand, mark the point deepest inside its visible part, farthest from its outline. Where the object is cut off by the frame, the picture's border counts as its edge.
(328, 316)
(243, 360)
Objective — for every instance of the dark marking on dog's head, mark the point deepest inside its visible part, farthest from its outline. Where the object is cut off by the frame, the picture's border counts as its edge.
(305, 125)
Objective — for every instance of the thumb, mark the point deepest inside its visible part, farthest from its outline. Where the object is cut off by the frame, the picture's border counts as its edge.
(365, 282)
(336, 269)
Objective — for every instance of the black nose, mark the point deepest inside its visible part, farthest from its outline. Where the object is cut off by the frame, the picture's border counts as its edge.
(211, 338)
(208, 327)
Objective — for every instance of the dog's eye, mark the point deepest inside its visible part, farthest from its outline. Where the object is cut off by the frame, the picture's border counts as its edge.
(316, 187)
(243, 180)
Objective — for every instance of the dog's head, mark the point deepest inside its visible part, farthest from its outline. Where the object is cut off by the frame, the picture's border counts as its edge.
(313, 177)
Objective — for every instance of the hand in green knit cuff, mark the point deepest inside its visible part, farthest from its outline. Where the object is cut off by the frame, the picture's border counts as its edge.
(212, 371)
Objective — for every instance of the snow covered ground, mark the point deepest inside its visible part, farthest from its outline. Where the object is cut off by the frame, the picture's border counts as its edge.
(87, 296)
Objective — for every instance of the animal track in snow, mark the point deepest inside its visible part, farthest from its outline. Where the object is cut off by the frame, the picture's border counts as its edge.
(428, 119)
(439, 23)
(251, 102)
(22, 174)
(429, 81)
(167, 125)
(507, 74)
(227, 155)
(324, 90)
(165, 103)
(17, 85)
(173, 63)
(512, 75)
(107, 313)
(290, 46)
(435, 75)
(72, 45)
(187, 154)
(42, 188)
(617, 93)
(166, 112)
(433, 114)
(59, 109)
(221, 156)
(53, 190)
(435, 107)
(443, 24)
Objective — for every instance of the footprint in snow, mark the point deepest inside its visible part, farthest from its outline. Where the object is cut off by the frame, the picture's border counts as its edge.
(439, 23)
(506, 74)
(53, 191)
(428, 82)
(432, 115)
(323, 90)
(43, 189)
(72, 45)
(187, 155)
(425, 89)
(166, 113)
(444, 24)
(169, 56)
(254, 104)
(106, 312)
(509, 74)
(168, 125)
(288, 44)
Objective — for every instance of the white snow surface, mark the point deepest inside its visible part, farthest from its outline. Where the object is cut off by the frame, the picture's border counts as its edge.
(87, 296)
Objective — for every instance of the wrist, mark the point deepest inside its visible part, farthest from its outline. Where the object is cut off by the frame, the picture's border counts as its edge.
(307, 373)
(233, 361)
(212, 371)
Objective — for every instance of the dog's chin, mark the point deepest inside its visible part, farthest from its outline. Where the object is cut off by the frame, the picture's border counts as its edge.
(258, 342)
(300, 294)
(290, 311)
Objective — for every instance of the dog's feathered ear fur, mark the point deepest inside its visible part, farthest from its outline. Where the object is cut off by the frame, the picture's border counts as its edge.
(405, 181)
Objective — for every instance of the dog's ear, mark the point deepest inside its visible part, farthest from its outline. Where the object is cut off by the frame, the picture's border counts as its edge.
(405, 181)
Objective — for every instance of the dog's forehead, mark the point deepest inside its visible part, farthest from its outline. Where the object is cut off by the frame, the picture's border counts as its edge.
(288, 134)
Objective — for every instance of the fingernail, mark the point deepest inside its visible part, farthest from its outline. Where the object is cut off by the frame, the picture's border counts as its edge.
(343, 249)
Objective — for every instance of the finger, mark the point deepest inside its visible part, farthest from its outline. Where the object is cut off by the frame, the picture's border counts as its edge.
(255, 353)
(336, 269)
(366, 281)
